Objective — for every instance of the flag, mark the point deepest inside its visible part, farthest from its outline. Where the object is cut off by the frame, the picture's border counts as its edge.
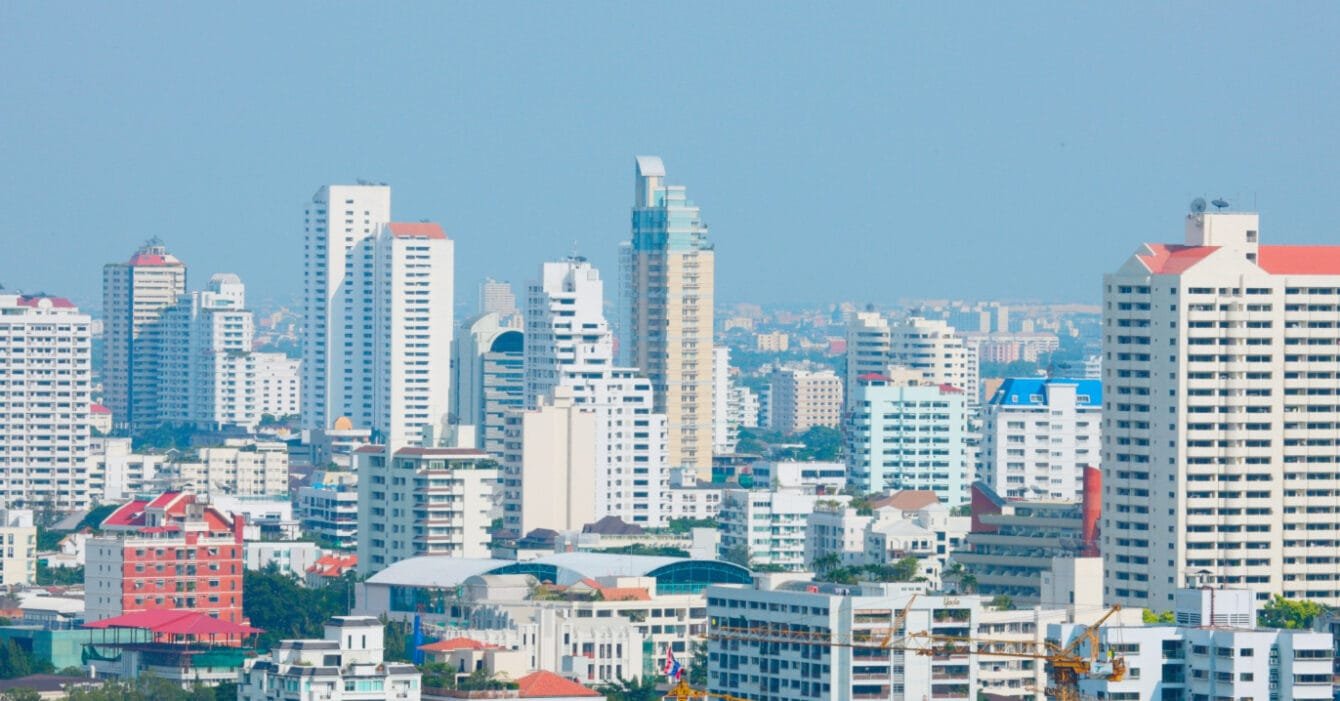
(672, 670)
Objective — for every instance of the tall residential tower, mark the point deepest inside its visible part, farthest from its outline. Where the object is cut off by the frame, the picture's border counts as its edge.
(1220, 417)
(668, 285)
(134, 296)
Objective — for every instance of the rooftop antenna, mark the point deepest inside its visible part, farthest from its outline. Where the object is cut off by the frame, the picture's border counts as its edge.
(1220, 203)
(1198, 205)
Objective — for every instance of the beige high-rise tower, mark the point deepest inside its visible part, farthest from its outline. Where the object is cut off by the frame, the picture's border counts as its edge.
(134, 296)
(666, 329)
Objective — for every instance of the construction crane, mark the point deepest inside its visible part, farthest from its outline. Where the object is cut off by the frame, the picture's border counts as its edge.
(1066, 665)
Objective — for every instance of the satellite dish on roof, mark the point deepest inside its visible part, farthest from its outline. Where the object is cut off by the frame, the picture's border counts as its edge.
(1198, 205)
(1220, 203)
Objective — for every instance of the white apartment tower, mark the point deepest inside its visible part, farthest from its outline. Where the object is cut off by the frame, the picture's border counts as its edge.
(134, 296)
(1220, 432)
(668, 290)
(802, 399)
(45, 380)
(929, 347)
(568, 343)
(207, 373)
(725, 421)
(488, 376)
(1038, 435)
(339, 344)
(412, 312)
(496, 297)
(377, 317)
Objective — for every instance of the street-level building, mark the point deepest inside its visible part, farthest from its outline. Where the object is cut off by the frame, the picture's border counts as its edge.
(348, 664)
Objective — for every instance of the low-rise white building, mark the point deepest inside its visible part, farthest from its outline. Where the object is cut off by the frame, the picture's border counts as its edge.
(423, 501)
(117, 473)
(1213, 651)
(289, 557)
(241, 467)
(768, 527)
(347, 664)
(327, 509)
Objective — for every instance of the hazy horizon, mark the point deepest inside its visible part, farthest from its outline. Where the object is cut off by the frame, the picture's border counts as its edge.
(869, 153)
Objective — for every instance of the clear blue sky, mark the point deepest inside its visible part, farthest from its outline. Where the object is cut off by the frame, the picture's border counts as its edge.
(864, 152)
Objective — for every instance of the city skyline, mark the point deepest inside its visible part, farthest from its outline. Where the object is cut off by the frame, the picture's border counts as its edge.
(918, 146)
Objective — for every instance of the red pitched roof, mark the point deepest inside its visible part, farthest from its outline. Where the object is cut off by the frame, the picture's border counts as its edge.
(175, 622)
(1299, 260)
(1170, 259)
(98, 409)
(427, 230)
(458, 644)
(34, 300)
(129, 515)
(542, 684)
(153, 259)
(907, 500)
(333, 565)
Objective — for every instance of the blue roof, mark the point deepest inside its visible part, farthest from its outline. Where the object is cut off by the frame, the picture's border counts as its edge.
(1029, 391)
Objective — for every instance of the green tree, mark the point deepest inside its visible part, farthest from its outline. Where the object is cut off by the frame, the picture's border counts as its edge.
(1002, 602)
(685, 525)
(59, 576)
(826, 563)
(21, 693)
(696, 673)
(1152, 618)
(738, 554)
(1289, 613)
(17, 662)
(397, 640)
(644, 549)
(641, 689)
(278, 604)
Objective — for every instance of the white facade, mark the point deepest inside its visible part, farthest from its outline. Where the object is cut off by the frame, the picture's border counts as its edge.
(1038, 436)
(413, 320)
(1233, 660)
(45, 382)
(908, 437)
(568, 343)
(768, 527)
(289, 557)
(868, 339)
(496, 297)
(929, 347)
(327, 509)
(802, 400)
(423, 501)
(1219, 411)
(242, 467)
(208, 377)
(348, 664)
(744, 407)
(725, 422)
(488, 376)
(134, 296)
(757, 652)
(339, 343)
(18, 548)
(278, 384)
(115, 473)
(549, 466)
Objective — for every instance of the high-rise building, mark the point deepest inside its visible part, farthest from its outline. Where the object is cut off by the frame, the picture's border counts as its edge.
(207, 374)
(568, 343)
(802, 399)
(1220, 416)
(1038, 435)
(423, 501)
(668, 292)
(929, 347)
(488, 376)
(725, 421)
(45, 381)
(496, 297)
(549, 466)
(278, 384)
(412, 313)
(134, 297)
(340, 345)
(908, 436)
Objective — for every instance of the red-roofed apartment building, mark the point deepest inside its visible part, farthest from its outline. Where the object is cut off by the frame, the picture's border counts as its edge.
(169, 552)
(1220, 407)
